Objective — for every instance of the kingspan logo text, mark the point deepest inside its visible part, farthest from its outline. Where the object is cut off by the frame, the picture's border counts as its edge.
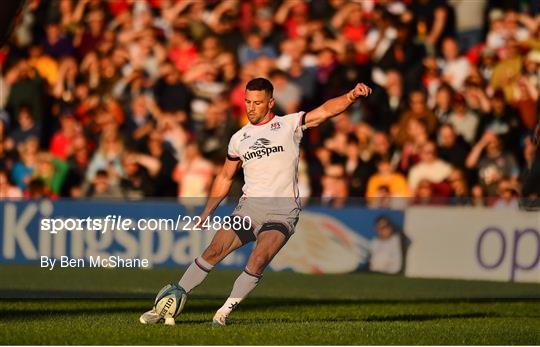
(261, 148)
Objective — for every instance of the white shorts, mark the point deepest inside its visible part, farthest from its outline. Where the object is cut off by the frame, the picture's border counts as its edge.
(267, 214)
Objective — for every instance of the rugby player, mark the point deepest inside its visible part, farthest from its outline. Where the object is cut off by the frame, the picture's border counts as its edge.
(268, 150)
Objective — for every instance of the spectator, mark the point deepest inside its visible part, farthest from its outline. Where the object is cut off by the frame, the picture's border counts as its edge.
(204, 83)
(170, 93)
(26, 90)
(417, 137)
(7, 190)
(417, 110)
(293, 16)
(37, 189)
(433, 20)
(194, 175)
(57, 44)
(384, 200)
(459, 187)
(395, 183)
(218, 129)
(392, 103)
(210, 49)
(7, 154)
(65, 81)
(102, 187)
(46, 66)
(531, 68)
(164, 184)
(107, 157)
(526, 103)
(88, 40)
(475, 96)
(443, 103)
(531, 170)
(78, 161)
(23, 170)
(455, 68)
(464, 121)
(469, 16)
(424, 194)
(383, 148)
(386, 250)
(497, 33)
(502, 121)
(478, 196)
(326, 66)
(224, 20)
(507, 196)
(513, 26)
(254, 47)
(431, 77)
(429, 168)
(488, 60)
(305, 77)
(272, 35)
(451, 147)
(27, 127)
(286, 93)
(494, 164)
(358, 168)
(62, 141)
(182, 52)
(507, 71)
(102, 62)
(139, 121)
(139, 172)
(349, 21)
(51, 171)
(174, 133)
(334, 186)
(405, 55)
(228, 69)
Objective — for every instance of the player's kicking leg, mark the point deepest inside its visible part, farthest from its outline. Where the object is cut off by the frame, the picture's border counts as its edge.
(224, 242)
(269, 242)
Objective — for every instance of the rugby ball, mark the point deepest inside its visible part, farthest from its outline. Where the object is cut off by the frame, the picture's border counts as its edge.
(170, 301)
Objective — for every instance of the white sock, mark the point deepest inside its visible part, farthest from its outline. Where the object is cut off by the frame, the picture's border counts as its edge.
(195, 274)
(243, 285)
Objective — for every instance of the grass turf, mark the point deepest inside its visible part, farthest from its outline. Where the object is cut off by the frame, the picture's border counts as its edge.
(286, 308)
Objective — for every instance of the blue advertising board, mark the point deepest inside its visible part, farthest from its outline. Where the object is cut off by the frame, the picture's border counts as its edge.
(27, 232)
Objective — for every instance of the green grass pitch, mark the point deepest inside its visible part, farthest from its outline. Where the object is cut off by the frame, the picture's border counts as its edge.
(286, 308)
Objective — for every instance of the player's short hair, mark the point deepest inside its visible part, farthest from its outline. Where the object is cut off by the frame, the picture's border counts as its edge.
(261, 84)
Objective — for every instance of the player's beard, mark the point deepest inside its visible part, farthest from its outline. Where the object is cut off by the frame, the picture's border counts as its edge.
(254, 119)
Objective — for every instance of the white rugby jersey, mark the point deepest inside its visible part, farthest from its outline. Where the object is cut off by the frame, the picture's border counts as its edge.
(270, 154)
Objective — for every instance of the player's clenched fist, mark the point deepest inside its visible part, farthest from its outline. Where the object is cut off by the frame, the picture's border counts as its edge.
(359, 90)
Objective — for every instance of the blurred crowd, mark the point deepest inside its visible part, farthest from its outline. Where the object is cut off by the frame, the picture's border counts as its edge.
(138, 98)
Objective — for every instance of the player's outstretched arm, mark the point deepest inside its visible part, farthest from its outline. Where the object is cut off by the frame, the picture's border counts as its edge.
(335, 106)
(220, 187)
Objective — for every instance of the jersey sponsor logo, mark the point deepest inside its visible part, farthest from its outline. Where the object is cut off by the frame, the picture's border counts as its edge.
(262, 147)
(260, 143)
